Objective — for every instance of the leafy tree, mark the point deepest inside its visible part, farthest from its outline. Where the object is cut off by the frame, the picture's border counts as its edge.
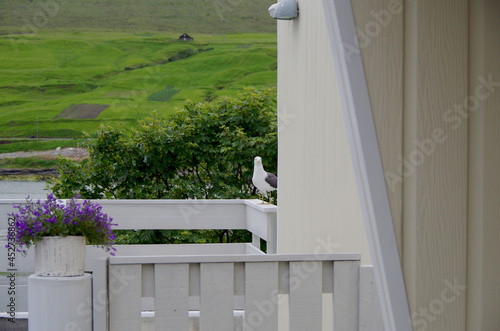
(203, 151)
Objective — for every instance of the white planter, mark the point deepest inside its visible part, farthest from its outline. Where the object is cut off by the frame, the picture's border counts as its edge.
(60, 256)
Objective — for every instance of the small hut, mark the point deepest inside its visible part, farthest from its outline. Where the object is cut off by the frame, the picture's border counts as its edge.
(185, 37)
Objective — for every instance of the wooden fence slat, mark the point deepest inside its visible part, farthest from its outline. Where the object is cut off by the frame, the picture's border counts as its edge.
(370, 315)
(217, 296)
(100, 294)
(171, 297)
(218, 285)
(261, 296)
(345, 295)
(125, 297)
(305, 300)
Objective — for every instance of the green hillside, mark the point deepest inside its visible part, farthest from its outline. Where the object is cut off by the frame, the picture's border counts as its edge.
(44, 74)
(190, 16)
(67, 66)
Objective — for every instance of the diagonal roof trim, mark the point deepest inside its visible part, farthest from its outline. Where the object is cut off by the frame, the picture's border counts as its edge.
(368, 166)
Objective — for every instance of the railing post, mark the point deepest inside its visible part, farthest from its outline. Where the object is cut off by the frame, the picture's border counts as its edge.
(100, 295)
(262, 222)
(256, 240)
(272, 233)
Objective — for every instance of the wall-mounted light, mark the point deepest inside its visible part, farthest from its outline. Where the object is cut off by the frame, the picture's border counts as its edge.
(284, 10)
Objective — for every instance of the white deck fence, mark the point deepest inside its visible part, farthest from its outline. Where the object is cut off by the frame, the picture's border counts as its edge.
(251, 215)
(227, 292)
(211, 287)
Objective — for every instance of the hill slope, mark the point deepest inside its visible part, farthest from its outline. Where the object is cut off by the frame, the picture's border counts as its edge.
(123, 58)
(191, 16)
(125, 75)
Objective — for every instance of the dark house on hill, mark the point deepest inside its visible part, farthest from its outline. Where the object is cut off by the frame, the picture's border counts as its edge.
(185, 37)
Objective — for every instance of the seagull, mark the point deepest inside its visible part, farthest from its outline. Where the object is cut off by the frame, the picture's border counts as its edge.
(264, 181)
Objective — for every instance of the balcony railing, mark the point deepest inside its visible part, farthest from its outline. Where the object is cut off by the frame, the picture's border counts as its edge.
(227, 292)
(251, 215)
(209, 287)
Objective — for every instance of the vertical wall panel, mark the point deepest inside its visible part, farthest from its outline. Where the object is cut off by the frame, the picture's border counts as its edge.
(483, 294)
(445, 195)
(436, 153)
(380, 31)
(491, 319)
(318, 200)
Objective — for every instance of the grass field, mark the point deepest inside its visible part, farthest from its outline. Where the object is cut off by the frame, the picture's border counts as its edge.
(27, 162)
(16, 145)
(120, 60)
(47, 72)
(146, 16)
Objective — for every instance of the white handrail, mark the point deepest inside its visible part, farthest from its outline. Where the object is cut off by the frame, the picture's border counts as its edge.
(259, 219)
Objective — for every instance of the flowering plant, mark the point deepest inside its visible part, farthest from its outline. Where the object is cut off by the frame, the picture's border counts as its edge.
(54, 218)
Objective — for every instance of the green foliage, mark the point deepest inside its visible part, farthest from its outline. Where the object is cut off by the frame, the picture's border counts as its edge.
(132, 237)
(203, 151)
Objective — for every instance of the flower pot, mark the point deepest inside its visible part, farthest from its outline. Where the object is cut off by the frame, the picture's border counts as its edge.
(60, 256)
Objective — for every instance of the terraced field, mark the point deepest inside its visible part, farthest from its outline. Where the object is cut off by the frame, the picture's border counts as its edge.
(124, 75)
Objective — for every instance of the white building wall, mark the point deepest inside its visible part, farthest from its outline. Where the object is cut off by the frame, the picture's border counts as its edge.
(319, 208)
(483, 292)
(422, 62)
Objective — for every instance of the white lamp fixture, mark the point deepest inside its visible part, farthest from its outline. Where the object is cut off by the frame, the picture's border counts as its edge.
(284, 10)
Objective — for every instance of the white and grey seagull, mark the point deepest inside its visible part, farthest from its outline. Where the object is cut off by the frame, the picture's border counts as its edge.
(264, 181)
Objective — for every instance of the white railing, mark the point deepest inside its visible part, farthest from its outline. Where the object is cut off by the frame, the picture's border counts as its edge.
(228, 292)
(210, 287)
(251, 215)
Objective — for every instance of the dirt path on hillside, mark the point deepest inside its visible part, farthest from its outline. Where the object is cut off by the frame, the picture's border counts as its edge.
(76, 154)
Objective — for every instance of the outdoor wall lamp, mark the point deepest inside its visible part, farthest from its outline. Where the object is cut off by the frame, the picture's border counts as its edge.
(284, 10)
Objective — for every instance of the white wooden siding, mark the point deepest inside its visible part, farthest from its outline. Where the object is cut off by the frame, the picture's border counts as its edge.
(319, 208)
(380, 26)
(435, 194)
(483, 294)
(422, 61)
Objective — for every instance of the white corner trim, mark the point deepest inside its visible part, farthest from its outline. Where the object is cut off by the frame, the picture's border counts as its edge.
(368, 166)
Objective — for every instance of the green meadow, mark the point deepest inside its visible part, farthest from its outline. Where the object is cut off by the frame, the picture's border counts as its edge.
(151, 16)
(68, 66)
(128, 74)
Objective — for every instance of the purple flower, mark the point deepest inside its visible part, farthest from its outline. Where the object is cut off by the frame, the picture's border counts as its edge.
(54, 217)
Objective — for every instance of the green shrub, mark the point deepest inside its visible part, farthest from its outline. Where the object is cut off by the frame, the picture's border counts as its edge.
(204, 151)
